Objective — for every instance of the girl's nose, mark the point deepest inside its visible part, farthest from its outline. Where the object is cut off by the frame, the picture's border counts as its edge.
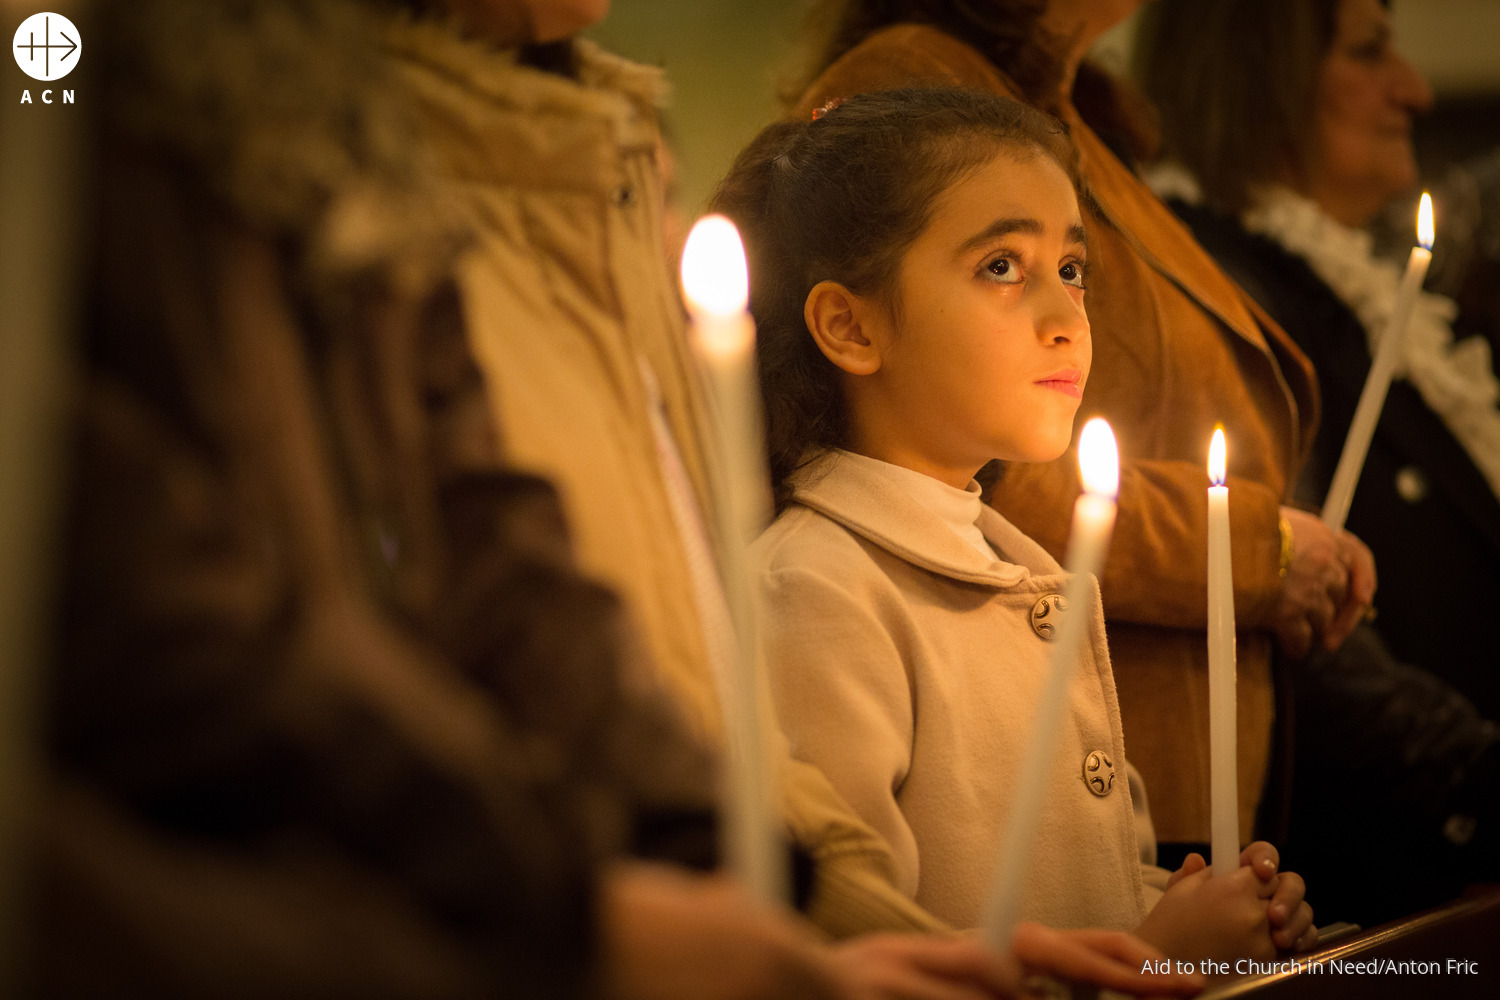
(1060, 318)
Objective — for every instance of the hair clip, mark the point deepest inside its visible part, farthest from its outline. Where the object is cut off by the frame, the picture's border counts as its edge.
(820, 112)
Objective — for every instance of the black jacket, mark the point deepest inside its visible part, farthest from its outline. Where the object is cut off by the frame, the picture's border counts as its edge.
(1388, 759)
(1421, 505)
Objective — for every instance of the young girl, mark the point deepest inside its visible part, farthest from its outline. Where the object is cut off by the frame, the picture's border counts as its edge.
(918, 264)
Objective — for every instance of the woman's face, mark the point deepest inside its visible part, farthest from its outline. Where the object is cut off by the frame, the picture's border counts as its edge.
(1365, 96)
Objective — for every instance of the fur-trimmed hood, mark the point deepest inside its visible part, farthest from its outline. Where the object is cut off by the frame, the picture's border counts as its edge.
(292, 114)
(304, 125)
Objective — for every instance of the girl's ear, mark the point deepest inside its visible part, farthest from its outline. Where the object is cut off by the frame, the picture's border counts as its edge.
(838, 320)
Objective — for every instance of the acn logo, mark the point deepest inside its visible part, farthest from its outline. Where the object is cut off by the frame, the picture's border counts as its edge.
(47, 46)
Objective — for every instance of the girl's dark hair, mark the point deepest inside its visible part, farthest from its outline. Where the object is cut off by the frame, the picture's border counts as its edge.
(1233, 82)
(840, 199)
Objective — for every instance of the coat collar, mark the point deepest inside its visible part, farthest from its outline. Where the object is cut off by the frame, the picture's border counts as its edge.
(329, 157)
(877, 509)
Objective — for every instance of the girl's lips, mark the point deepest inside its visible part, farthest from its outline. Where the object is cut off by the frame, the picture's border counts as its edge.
(1066, 382)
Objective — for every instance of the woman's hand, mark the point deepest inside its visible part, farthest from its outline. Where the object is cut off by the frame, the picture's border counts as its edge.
(671, 935)
(1328, 586)
(908, 967)
(1360, 562)
(916, 967)
(1111, 959)
(675, 936)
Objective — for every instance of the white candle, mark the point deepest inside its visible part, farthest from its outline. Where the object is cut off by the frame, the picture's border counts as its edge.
(1372, 398)
(1093, 521)
(1222, 728)
(715, 282)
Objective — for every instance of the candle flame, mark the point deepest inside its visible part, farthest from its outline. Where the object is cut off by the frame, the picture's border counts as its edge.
(1099, 459)
(1426, 231)
(715, 278)
(1217, 459)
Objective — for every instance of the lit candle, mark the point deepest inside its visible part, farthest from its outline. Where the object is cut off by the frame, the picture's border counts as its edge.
(1372, 399)
(1222, 729)
(1093, 521)
(715, 282)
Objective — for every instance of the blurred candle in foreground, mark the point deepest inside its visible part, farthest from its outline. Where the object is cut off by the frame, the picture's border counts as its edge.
(1372, 398)
(1224, 800)
(1093, 522)
(715, 282)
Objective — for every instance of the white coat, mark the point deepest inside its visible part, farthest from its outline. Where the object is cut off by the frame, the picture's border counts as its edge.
(906, 666)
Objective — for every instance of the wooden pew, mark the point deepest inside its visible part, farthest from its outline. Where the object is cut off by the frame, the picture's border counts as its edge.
(1420, 956)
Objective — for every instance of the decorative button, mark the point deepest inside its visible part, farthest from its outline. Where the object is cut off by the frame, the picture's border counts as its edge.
(1099, 773)
(1045, 615)
(1411, 484)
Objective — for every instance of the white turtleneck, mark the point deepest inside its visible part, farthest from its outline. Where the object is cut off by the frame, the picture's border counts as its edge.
(957, 508)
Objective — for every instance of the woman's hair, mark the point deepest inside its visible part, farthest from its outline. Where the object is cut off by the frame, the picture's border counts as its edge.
(841, 198)
(1234, 82)
(1005, 31)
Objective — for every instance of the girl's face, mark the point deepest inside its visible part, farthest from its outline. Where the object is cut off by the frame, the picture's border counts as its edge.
(984, 351)
(1362, 114)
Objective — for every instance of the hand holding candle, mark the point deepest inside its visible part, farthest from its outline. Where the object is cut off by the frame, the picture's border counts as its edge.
(1222, 727)
(1093, 522)
(715, 282)
(1372, 398)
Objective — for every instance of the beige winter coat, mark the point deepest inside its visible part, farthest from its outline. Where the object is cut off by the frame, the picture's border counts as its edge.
(907, 668)
(566, 295)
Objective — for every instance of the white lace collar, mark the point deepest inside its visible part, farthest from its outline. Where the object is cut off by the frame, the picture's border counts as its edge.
(1456, 380)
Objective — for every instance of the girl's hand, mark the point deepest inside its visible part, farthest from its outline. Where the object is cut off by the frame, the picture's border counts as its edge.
(1222, 918)
(1291, 918)
(1288, 919)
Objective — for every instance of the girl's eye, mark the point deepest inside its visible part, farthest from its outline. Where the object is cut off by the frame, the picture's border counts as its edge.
(1003, 270)
(1071, 274)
